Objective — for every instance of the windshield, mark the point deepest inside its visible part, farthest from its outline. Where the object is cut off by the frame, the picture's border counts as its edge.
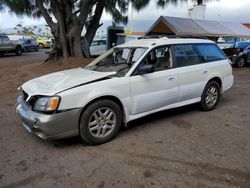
(242, 45)
(119, 60)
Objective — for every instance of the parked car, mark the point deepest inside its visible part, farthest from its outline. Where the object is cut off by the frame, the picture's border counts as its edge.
(30, 45)
(44, 43)
(239, 54)
(10, 46)
(127, 82)
(98, 47)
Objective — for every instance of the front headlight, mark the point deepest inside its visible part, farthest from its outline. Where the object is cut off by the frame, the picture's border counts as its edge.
(47, 104)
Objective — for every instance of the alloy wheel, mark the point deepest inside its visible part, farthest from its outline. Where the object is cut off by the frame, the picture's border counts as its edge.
(102, 122)
(211, 96)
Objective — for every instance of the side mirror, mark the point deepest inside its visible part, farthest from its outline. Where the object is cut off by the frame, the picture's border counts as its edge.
(145, 69)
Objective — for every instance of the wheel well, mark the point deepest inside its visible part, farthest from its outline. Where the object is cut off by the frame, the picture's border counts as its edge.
(109, 97)
(218, 80)
(18, 46)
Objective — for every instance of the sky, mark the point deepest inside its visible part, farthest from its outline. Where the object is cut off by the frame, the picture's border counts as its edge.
(227, 10)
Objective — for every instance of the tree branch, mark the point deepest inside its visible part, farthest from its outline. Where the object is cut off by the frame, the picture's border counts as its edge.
(45, 14)
(85, 8)
(94, 22)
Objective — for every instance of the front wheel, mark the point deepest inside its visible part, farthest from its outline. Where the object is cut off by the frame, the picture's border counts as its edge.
(210, 96)
(240, 62)
(41, 45)
(100, 122)
(19, 50)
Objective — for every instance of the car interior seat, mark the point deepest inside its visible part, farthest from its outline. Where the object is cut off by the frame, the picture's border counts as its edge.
(164, 62)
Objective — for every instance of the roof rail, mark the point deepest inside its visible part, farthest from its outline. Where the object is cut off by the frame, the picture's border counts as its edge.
(188, 36)
(152, 37)
(172, 36)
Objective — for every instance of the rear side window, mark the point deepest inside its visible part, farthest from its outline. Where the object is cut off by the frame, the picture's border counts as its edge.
(186, 55)
(193, 54)
(210, 52)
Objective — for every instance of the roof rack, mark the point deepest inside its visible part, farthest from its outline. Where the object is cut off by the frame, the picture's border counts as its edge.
(172, 36)
(152, 37)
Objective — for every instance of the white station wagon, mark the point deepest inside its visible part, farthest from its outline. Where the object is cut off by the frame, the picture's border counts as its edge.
(127, 82)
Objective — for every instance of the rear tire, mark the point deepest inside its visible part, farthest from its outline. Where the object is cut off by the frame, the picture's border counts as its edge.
(100, 122)
(210, 96)
(19, 50)
(240, 62)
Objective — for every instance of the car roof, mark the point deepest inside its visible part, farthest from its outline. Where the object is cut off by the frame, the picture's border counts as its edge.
(163, 41)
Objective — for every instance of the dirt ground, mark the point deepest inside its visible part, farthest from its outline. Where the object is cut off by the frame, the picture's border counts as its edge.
(183, 147)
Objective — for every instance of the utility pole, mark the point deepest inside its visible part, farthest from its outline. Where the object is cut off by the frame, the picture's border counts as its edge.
(131, 19)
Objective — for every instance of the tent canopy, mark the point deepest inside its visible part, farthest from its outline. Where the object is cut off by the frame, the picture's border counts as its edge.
(186, 26)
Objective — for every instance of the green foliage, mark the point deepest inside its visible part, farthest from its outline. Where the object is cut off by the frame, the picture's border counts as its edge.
(117, 8)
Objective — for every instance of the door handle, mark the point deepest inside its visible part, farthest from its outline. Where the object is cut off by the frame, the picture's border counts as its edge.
(205, 72)
(170, 78)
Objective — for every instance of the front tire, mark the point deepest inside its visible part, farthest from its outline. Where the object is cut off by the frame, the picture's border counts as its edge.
(100, 122)
(240, 62)
(19, 50)
(41, 46)
(210, 96)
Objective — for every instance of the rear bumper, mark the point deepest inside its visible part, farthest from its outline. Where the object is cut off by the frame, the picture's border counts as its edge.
(52, 126)
(228, 82)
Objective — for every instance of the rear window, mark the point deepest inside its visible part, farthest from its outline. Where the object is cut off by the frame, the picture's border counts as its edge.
(210, 52)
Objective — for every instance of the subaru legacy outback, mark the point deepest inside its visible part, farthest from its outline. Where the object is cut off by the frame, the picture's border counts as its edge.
(127, 82)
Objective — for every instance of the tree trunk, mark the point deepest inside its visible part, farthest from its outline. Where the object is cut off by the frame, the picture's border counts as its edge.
(62, 29)
(67, 30)
(74, 44)
(85, 47)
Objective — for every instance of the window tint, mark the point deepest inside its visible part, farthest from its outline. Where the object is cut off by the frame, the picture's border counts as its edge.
(210, 52)
(193, 54)
(186, 55)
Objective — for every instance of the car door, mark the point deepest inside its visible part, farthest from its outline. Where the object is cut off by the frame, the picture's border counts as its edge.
(192, 73)
(153, 90)
(195, 64)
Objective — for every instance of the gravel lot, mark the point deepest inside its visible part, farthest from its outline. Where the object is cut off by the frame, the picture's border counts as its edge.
(183, 147)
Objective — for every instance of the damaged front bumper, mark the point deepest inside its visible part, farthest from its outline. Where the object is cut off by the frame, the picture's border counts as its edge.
(48, 126)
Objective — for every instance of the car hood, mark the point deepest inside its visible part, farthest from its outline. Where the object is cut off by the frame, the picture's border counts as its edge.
(51, 84)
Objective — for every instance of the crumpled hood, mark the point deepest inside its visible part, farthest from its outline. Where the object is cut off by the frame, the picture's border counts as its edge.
(53, 83)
